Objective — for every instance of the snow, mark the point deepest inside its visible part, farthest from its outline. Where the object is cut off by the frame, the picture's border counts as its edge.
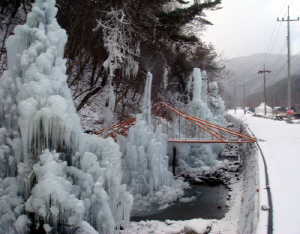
(198, 226)
(281, 147)
(21, 225)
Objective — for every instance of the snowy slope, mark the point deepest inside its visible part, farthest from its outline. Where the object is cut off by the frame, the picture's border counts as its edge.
(281, 147)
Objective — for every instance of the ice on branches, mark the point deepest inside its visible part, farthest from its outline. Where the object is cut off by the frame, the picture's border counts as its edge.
(121, 50)
(118, 43)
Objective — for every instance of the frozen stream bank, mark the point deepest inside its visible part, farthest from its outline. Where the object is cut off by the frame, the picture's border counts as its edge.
(242, 201)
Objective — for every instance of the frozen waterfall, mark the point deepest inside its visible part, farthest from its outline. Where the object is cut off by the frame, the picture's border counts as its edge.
(145, 162)
(207, 105)
(52, 176)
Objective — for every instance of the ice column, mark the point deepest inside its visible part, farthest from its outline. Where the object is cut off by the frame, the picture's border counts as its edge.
(207, 106)
(147, 99)
(63, 179)
(199, 108)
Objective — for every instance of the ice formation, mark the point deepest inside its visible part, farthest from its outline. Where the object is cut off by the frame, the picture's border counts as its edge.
(52, 176)
(146, 163)
(207, 105)
(109, 110)
(147, 99)
(145, 158)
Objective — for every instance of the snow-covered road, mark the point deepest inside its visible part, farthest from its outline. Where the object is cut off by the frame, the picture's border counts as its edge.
(281, 148)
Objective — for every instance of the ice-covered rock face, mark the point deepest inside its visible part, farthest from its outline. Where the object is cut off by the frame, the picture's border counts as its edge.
(48, 167)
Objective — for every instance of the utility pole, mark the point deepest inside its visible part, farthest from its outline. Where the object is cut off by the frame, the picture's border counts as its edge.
(289, 61)
(265, 93)
(244, 97)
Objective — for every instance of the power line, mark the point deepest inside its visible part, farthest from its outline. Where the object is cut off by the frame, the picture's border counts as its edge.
(276, 75)
(273, 43)
(267, 54)
(281, 70)
(289, 62)
(270, 42)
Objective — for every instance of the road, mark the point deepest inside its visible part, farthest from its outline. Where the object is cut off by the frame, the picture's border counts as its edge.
(281, 148)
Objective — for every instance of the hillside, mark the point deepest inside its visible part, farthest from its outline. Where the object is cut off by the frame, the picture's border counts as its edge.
(246, 69)
(277, 94)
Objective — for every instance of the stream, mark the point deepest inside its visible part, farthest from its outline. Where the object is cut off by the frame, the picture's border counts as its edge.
(209, 204)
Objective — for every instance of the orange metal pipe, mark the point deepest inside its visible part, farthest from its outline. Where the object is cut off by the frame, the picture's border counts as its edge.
(160, 115)
(206, 126)
(173, 124)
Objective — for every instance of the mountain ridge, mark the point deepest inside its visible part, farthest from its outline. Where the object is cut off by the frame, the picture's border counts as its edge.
(246, 70)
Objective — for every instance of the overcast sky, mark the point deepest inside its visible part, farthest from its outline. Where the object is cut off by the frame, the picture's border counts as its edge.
(246, 27)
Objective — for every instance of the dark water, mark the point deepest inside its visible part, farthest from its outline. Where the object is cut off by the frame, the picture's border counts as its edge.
(209, 204)
(229, 158)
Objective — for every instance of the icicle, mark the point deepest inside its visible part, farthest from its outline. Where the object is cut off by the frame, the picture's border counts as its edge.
(197, 83)
(165, 77)
(147, 99)
(109, 115)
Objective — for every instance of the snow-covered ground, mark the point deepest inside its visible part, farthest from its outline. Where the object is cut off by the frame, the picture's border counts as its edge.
(281, 149)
